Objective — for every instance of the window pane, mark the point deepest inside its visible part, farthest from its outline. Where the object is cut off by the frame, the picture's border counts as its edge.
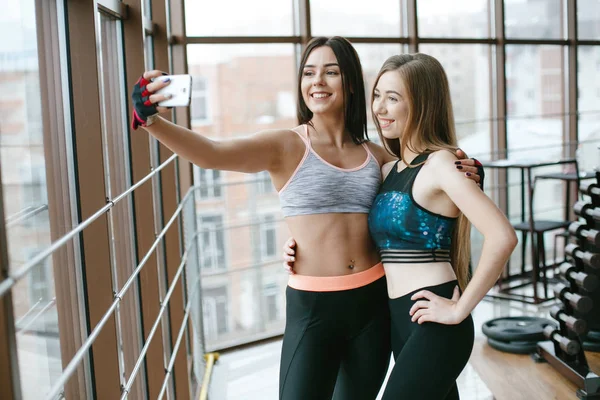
(588, 19)
(468, 71)
(25, 199)
(442, 18)
(535, 127)
(589, 107)
(533, 19)
(239, 18)
(533, 100)
(370, 18)
(250, 81)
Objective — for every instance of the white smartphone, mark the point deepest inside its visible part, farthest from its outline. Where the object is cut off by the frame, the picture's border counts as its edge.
(180, 89)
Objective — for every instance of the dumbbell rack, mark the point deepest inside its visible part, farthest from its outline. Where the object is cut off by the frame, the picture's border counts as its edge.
(580, 295)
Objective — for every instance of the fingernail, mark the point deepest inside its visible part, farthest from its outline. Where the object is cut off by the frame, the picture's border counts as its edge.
(293, 258)
(168, 96)
(457, 162)
(468, 174)
(459, 167)
(167, 80)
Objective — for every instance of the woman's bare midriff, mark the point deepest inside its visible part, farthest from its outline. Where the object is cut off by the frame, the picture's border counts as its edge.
(327, 244)
(405, 278)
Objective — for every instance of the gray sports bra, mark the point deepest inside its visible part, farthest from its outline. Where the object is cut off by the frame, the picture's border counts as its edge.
(317, 187)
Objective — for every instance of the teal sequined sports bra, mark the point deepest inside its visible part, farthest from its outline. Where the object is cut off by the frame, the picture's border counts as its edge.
(404, 231)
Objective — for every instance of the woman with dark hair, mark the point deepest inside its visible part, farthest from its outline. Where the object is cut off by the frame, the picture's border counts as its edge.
(420, 223)
(327, 173)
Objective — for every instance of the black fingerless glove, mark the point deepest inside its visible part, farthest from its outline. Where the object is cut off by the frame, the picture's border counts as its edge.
(480, 171)
(142, 107)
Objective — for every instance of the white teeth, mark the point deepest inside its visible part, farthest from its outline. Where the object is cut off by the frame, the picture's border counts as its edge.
(320, 95)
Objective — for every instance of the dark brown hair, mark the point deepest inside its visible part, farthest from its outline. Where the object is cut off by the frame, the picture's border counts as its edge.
(355, 112)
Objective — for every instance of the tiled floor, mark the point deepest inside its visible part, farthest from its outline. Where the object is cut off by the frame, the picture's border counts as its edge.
(253, 373)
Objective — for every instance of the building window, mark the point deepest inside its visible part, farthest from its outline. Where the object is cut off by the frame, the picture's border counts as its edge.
(210, 183)
(39, 281)
(212, 242)
(199, 101)
(214, 306)
(263, 183)
(268, 238)
(271, 293)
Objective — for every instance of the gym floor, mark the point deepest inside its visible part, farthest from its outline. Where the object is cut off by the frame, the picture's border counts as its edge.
(252, 373)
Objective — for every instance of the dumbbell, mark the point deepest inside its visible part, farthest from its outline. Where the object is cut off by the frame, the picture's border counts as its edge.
(569, 346)
(588, 258)
(585, 281)
(577, 325)
(590, 188)
(579, 230)
(582, 304)
(587, 211)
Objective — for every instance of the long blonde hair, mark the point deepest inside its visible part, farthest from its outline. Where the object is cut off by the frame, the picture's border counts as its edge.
(429, 125)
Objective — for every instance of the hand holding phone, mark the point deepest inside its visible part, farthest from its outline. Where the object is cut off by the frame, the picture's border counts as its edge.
(180, 89)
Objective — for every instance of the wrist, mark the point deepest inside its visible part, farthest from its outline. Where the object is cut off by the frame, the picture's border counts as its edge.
(461, 311)
(151, 119)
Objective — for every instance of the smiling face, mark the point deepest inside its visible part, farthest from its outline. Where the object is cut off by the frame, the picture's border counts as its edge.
(321, 85)
(390, 104)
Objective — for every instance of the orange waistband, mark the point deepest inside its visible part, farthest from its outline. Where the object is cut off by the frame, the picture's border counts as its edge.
(336, 283)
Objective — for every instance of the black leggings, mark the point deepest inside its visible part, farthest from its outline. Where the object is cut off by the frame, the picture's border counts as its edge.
(429, 357)
(336, 344)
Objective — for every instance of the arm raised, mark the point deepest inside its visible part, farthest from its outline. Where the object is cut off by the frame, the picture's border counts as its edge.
(260, 152)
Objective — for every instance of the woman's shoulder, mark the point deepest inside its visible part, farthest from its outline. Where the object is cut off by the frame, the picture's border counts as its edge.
(381, 155)
(283, 134)
(387, 168)
(442, 156)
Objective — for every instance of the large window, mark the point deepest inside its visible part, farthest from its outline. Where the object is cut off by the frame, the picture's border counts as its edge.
(24, 183)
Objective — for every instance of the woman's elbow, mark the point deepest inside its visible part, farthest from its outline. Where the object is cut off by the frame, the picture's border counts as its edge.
(509, 240)
(505, 239)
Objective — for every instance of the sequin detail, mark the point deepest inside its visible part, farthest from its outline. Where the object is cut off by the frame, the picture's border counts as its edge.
(403, 230)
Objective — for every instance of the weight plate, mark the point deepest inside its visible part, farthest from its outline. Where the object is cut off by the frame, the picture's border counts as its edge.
(517, 347)
(591, 346)
(515, 329)
(593, 336)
